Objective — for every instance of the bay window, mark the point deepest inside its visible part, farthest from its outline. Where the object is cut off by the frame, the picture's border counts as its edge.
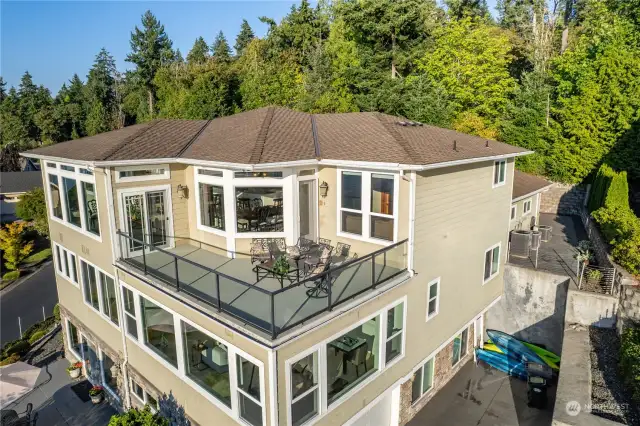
(212, 206)
(109, 303)
(259, 209)
(305, 393)
(249, 391)
(159, 331)
(73, 198)
(367, 205)
(90, 285)
(99, 291)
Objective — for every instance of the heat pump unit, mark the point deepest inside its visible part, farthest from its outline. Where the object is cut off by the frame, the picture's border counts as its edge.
(546, 232)
(536, 237)
(520, 243)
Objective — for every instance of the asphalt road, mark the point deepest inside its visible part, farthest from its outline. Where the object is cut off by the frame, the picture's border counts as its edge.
(26, 301)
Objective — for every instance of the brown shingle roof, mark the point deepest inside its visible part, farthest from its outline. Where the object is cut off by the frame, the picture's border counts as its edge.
(525, 184)
(275, 134)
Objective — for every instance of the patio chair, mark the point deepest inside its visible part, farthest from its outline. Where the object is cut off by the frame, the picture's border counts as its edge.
(324, 242)
(316, 265)
(342, 250)
(277, 247)
(260, 250)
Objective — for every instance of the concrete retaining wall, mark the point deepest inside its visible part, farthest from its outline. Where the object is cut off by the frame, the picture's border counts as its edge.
(563, 199)
(591, 309)
(532, 307)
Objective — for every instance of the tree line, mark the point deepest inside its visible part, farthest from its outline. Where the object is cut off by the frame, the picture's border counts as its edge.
(561, 77)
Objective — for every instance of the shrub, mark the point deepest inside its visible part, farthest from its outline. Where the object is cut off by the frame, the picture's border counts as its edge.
(11, 275)
(36, 336)
(10, 360)
(136, 417)
(19, 348)
(621, 228)
(11, 242)
(42, 325)
(630, 360)
(56, 312)
(38, 257)
(32, 207)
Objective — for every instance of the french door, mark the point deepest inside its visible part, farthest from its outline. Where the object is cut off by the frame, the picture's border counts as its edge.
(307, 209)
(146, 219)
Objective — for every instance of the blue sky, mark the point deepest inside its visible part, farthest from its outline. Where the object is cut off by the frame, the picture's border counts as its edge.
(53, 39)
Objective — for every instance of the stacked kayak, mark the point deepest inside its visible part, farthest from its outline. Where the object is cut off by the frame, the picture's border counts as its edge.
(510, 355)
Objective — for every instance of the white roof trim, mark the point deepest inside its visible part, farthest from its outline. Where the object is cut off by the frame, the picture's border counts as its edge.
(265, 166)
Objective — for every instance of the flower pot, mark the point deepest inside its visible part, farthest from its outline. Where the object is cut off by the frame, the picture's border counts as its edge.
(75, 373)
(96, 399)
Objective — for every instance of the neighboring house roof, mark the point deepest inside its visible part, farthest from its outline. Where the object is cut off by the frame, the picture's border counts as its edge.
(525, 184)
(19, 182)
(275, 135)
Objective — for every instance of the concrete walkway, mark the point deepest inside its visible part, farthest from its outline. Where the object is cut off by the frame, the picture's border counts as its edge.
(483, 396)
(57, 405)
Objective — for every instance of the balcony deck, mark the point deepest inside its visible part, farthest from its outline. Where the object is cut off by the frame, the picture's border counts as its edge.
(231, 284)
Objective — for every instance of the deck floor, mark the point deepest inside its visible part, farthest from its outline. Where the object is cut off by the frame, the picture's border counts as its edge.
(558, 255)
(246, 302)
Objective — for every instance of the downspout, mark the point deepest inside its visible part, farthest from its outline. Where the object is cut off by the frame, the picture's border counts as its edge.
(412, 219)
(115, 242)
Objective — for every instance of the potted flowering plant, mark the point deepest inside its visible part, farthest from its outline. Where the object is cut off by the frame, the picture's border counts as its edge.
(74, 370)
(96, 394)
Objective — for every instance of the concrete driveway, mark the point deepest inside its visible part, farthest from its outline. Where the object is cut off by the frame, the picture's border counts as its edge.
(483, 396)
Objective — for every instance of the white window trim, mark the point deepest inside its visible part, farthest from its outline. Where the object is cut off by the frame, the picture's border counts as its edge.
(324, 408)
(79, 178)
(514, 212)
(180, 371)
(99, 286)
(165, 175)
(433, 379)
(497, 163)
(217, 181)
(61, 270)
(462, 355)
(526, 203)
(124, 311)
(77, 355)
(103, 377)
(145, 395)
(366, 207)
(484, 257)
(435, 282)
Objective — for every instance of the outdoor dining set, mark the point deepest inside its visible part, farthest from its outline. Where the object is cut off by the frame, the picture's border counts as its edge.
(272, 258)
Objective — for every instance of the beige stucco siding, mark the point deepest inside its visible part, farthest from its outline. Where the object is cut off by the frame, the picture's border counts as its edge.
(524, 220)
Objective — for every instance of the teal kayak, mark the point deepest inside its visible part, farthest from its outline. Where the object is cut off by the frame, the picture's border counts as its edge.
(514, 348)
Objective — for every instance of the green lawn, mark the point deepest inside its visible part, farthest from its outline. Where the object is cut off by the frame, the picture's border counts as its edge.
(38, 257)
(8, 278)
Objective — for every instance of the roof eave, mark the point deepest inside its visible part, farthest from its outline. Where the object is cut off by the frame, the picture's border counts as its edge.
(522, 197)
(57, 159)
(467, 161)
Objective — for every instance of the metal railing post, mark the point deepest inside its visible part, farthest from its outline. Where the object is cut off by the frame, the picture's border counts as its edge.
(144, 259)
(373, 271)
(121, 252)
(218, 292)
(273, 317)
(175, 262)
(330, 284)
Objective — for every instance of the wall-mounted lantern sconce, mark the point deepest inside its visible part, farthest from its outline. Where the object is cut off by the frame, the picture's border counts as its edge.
(183, 191)
(324, 188)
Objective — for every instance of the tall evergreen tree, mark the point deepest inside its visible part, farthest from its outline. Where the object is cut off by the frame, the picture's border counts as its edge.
(3, 92)
(150, 48)
(460, 9)
(244, 37)
(199, 53)
(101, 94)
(220, 50)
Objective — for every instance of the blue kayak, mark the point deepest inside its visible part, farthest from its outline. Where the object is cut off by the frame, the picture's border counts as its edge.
(514, 348)
(503, 363)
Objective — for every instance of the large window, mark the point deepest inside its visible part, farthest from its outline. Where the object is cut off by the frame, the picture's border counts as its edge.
(499, 172)
(207, 363)
(352, 357)
(159, 331)
(71, 201)
(305, 393)
(395, 320)
(367, 205)
(249, 394)
(90, 285)
(130, 312)
(90, 208)
(422, 380)
(491, 262)
(259, 209)
(460, 343)
(54, 198)
(109, 302)
(212, 206)
(66, 264)
(382, 206)
(351, 203)
(73, 198)
(110, 373)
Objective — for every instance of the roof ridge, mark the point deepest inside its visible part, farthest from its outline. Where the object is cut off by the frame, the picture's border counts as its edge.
(408, 149)
(261, 139)
(147, 126)
(314, 132)
(193, 139)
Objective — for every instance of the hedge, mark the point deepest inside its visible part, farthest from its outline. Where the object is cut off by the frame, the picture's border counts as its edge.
(630, 360)
(36, 336)
(609, 189)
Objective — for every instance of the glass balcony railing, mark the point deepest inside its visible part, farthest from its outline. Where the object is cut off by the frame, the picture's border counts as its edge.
(268, 298)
